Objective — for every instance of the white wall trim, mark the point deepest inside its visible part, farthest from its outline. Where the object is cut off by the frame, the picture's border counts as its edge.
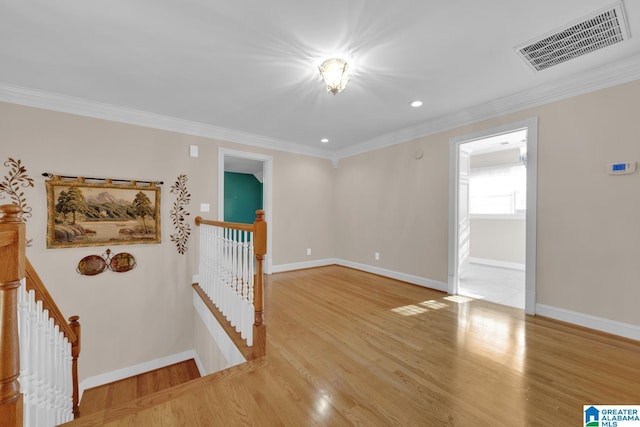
(130, 371)
(531, 215)
(229, 350)
(404, 277)
(303, 265)
(88, 108)
(599, 78)
(199, 364)
(267, 192)
(497, 263)
(626, 330)
(409, 278)
(590, 81)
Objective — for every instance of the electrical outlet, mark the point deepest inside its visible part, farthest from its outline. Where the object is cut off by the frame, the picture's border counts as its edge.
(377, 256)
(308, 251)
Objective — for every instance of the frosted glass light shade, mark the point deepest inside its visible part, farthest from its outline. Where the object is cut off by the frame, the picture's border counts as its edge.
(335, 74)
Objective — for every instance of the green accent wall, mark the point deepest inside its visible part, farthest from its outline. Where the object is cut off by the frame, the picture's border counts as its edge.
(242, 197)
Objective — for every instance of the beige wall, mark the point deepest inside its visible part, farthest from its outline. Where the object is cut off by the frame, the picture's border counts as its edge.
(392, 203)
(385, 200)
(303, 208)
(587, 229)
(145, 314)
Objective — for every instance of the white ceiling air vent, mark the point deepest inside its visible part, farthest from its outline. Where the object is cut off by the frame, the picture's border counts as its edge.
(593, 32)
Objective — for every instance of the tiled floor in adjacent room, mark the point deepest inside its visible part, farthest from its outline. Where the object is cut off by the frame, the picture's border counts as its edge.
(496, 284)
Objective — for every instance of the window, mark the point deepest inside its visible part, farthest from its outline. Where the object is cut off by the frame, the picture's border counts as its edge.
(498, 190)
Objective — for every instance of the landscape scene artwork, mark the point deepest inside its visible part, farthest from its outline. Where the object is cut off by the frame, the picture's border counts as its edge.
(88, 214)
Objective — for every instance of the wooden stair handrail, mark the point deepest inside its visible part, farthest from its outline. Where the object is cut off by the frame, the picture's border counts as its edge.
(12, 266)
(259, 230)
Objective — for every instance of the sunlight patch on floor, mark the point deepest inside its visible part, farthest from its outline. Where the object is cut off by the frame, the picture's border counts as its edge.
(409, 310)
(419, 308)
(433, 304)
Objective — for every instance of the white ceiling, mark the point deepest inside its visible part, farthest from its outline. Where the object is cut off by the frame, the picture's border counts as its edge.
(246, 71)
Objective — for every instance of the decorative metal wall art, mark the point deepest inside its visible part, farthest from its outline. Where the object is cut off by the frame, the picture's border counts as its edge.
(13, 183)
(114, 212)
(96, 264)
(91, 265)
(179, 214)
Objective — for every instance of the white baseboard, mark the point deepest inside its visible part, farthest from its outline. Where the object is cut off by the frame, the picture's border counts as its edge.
(588, 321)
(199, 364)
(497, 263)
(302, 265)
(409, 278)
(130, 371)
(415, 280)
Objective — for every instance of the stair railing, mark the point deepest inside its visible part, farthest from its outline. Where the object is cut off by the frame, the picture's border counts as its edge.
(231, 279)
(39, 349)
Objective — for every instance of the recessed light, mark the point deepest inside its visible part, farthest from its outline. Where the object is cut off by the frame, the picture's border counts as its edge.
(324, 140)
(416, 104)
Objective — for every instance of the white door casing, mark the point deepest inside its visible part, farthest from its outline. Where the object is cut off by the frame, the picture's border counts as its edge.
(454, 205)
(464, 231)
(267, 192)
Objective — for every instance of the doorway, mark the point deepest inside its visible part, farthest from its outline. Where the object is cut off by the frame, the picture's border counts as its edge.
(492, 184)
(241, 176)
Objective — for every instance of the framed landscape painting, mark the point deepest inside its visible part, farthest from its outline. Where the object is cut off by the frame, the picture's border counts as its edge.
(80, 213)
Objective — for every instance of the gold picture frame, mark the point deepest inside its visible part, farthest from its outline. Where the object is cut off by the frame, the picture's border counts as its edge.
(81, 213)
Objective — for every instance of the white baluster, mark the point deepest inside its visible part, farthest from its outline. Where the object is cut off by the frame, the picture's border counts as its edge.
(45, 365)
(227, 268)
(31, 398)
(250, 295)
(243, 310)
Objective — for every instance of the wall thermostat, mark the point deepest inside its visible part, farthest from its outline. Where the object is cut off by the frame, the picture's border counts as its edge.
(621, 168)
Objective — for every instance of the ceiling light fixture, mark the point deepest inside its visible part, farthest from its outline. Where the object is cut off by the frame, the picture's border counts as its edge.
(416, 104)
(335, 74)
(324, 140)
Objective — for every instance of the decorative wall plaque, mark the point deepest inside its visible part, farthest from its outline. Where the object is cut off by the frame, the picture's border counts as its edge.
(179, 214)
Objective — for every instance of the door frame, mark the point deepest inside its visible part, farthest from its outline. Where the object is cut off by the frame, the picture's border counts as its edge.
(532, 178)
(267, 192)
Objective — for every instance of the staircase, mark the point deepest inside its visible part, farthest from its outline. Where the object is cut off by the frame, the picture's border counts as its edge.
(105, 398)
(38, 349)
(191, 403)
(38, 373)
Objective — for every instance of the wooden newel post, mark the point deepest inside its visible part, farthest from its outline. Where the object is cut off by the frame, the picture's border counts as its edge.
(260, 250)
(12, 270)
(75, 352)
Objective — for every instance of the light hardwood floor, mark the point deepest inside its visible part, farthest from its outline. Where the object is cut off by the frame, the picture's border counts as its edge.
(350, 348)
(109, 396)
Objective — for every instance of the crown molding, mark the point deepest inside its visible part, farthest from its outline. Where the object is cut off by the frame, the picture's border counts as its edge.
(596, 79)
(84, 107)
